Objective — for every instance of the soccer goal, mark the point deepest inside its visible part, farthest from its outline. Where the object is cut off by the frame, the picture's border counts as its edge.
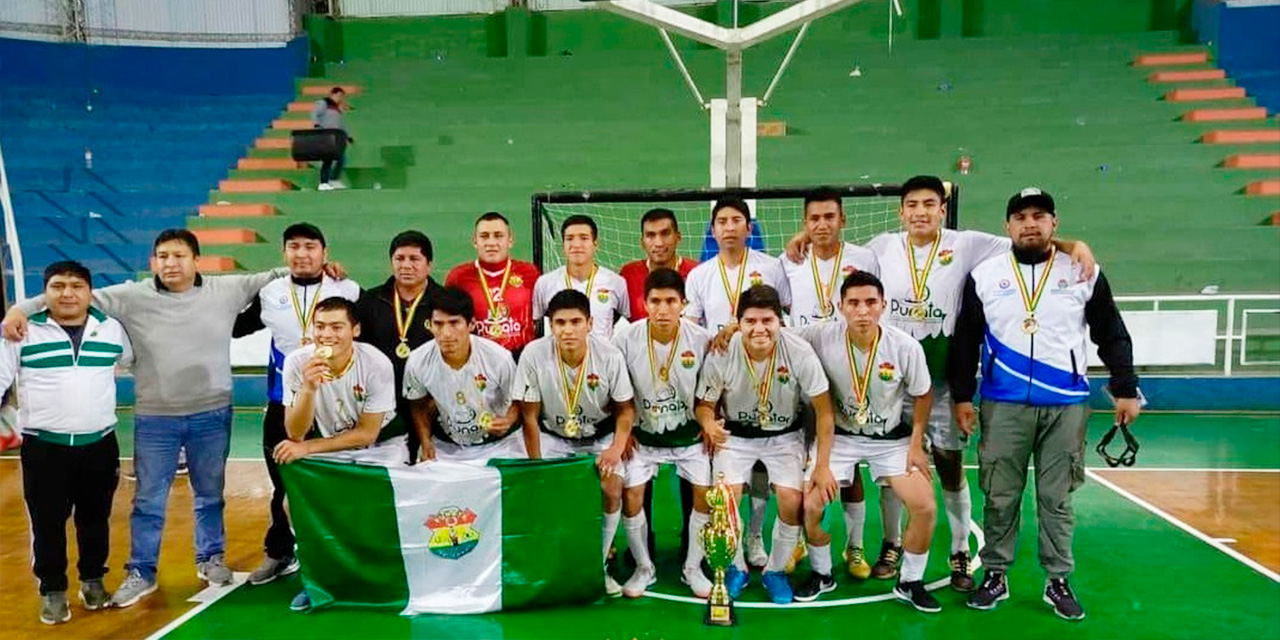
(870, 209)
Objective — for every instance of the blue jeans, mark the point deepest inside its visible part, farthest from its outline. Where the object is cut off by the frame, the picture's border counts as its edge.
(156, 441)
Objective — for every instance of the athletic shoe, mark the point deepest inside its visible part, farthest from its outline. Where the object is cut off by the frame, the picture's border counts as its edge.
(133, 589)
(994, 588)
(914, 594)
(797, 554)
(642, 579)
(54, 608)
(301, 602)
(324, 186)
(334, 184)
(94, 595)
(856, 561)
(757, 557)
(611, 586)
(271, 568)
(736, 580)
(779, 587)
(961, 580)
(1057, 594)
(214, 571)
(816, 585)
(698, 582)
(886, 568)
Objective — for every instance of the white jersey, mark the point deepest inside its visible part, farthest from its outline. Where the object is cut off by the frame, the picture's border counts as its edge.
(369, 386)
(709, 302)
(282, 302)
(806, 293)
(608, 296)
(539, 379)
(897, 373)
(664, 410)
(796, 373)
(479, 390)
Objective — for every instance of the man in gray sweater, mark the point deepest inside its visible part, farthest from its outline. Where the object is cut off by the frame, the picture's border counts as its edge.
(327, 114)
(180, 323)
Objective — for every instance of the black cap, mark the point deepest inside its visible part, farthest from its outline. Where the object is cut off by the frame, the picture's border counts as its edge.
(1030, 197)
(304, 230)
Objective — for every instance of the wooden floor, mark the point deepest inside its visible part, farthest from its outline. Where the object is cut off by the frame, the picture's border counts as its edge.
(248, 490)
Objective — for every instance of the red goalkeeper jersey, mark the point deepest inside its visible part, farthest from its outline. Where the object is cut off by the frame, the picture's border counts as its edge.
(635, 273)
(505, 315)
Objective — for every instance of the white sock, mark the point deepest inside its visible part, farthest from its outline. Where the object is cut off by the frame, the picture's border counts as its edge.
(913, 566)
(693, 559)
(739, 560)
(611, 521)
(759, 500)
(891, 515)
(820, 558)
(855, 518)
(959, 508)
(784, 543)
(637, 528)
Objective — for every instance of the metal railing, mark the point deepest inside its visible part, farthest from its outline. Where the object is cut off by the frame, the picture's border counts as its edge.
(1233, 322)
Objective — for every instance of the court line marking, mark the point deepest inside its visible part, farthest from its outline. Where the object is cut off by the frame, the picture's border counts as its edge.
(1246, 560)
(204, 599)
(974, 529)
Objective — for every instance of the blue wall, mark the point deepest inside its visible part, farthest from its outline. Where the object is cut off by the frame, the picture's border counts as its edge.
(1247, 45)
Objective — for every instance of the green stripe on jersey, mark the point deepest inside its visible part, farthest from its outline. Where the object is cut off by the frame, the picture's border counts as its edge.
(48, 363)
(96, 361)
(101, 347)
(33, 349)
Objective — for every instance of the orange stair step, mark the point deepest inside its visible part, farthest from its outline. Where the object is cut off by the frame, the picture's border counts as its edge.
(1253, 161)
(254, 185)
(323, 89)
(273, 143)
(1220, 115)
(301, 106)
(1158, 59)
(214, 264)
(237, 210)
(1273, 219)
(1205, 93)
(226, 236)
(1263, 188)
(292, 124)
(1193, 75)
(267, 164)
(1241, 136)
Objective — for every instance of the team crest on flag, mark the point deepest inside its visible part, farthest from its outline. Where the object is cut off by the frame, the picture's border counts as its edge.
(886, 371)
(515, 281)
(944, 257)
(602, 295)
(784, 374)
(756, 279)
(687, 359)
(452, 533)
(593, 381)
(481, 382)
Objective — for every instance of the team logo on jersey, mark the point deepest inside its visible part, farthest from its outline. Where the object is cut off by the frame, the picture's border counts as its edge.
(848, 270)
(1004, 284)
(756, 278)
(784, 374)
(1062, 283)
(593, 381)
(358, 392)
(481, 382)
(452, 533)
(886, 371)
(602, 295)
(515, 281)
(688, 359)
(945, 256)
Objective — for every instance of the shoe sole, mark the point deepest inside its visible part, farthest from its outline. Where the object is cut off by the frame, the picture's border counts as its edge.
(822, 590)
(907, 599)
(884, 576)
(1059, 613)
(636, 594)
(201, 575)
(89, 607)
(973, 586)
(1001, 598)
(289, 569)
(53, 622)
(685, 581)
(134, 600)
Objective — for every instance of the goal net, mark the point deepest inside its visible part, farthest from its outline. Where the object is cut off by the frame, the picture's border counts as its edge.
(870, 209)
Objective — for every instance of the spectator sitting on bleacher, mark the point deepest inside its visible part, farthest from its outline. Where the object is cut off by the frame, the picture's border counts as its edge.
(327, 114)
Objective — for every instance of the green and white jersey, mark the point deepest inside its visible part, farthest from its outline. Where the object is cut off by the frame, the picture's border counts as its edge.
(606, 290)
(712, 294)
(467, 396)
(664, 409)
(898, 372)
(794, 375)
(539, 378)
(807, 292)
(368, 386)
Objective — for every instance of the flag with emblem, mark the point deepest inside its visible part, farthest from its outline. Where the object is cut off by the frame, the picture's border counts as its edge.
(446, 537)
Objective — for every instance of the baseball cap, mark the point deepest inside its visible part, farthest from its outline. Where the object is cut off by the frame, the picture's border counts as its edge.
(1030, 197)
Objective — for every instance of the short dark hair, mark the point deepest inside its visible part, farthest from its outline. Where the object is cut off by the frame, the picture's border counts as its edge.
(336, 303)
(412, 238)
(731, 202)
(453, 301)
(761, 296)
(67, 268)
(569, 300)
(492, 215)
(657, 215)
(578, 218)
(304, 230)
(861, 279)
(917, 183)
(824, 195)
(336, 90)
(664, 279)
(181, 235)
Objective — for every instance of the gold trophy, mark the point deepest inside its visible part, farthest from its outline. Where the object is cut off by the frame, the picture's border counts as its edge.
(720, 540)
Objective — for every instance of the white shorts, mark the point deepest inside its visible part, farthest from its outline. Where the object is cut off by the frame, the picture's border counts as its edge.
(388, 453)
(943, 433)
(692, 463)
(553, 447)
(885, 458)
(783, 457)
(511, 446)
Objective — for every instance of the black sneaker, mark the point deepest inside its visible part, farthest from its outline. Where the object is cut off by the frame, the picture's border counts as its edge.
(816, 585)
(960, 579)
(1057, 594)
(886, 567)
(916, 595)
(994, 588)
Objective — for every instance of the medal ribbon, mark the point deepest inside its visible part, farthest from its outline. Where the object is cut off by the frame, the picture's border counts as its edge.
(724, 279)
(662, 374)
(568, 284)
(920, 277)
(824, 291)
(403, 323)
(489, 297)
(762, 386)
(863, 385)
(571, 395)
(350, 363)
(1031, 300)
(304, 318)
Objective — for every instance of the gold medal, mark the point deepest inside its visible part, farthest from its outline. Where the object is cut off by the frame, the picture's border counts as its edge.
(402, 350)
(826, 308)
(1030, 326)
(862, 416)
(486, 420)
(862, 383)
(763, 384)
(920, 277)
(324, 351)
(495, 331)
(1031, 299)
(571, 395)
(497, 311)
(304, 316)
(404, 321)
(762, 415)
(571, 428)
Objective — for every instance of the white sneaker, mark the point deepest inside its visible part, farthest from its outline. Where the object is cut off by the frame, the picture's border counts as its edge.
(334, 184)
(642, 579)
(756, 555)
(698, 582)
(325, 186)
(611, 586)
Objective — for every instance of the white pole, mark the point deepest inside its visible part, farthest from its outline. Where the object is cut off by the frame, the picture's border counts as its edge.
(733, 118)
(786, 60)
(11, 236)
(684, 71)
